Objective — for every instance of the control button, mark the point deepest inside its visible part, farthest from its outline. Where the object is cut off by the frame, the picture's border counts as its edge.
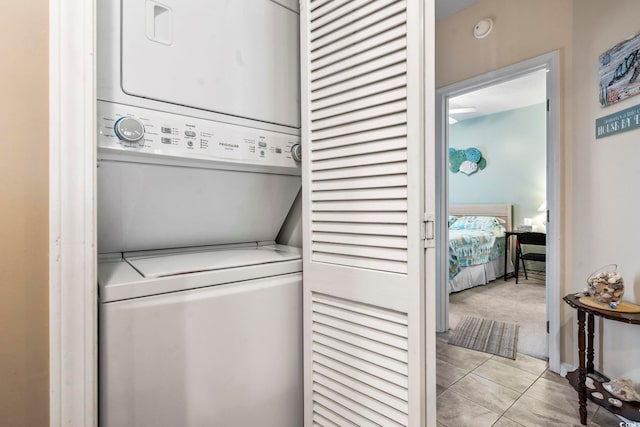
(279, 150)
(262, 153)
(165, 130)
(296, 152)
(165, 140)
(129, 129)
(190, 133)
(262, 144)
(190, 143)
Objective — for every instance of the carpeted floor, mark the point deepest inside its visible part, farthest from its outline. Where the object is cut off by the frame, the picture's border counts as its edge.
(523, 304)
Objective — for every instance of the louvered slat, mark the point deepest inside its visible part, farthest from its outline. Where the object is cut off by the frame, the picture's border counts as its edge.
(366, 310)
(367, 194)
(361, 137)
(353, 383)
(379, 410)
(367, 263)
(332, 29)
(351, 329)
(318, 11)
(320, 421)
(355, 65)
(356, 116)
(361, 171)
(359, 23)
(361, 251)
(399, 180)
(332, 16)
(352, 239)
(391, 325)
(360, 342)
(357, 94)
(330, 415)
(364, 159)
(360, 206)
(321, 361)
(353, 228)
(363, 50)
(392, 69)
(343, 410)
(360, 104)
(355, 374)
(370, 217)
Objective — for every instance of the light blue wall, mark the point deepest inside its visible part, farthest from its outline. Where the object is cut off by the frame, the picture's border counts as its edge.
(514, 145)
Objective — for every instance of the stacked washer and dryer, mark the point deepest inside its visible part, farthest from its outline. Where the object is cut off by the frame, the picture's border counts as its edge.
(198, 132)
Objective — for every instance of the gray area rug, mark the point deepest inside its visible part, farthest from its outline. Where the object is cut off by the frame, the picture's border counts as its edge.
(522, 304)
(489, 336)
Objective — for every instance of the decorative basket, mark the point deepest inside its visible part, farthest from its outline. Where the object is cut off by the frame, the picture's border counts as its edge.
(606, 286)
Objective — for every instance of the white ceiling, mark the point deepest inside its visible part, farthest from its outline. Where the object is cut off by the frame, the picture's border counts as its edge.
(445, 8)
(518, 93)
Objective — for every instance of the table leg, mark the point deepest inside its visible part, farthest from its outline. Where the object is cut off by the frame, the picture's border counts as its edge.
(506, 248)
(582, 372)
(590, 319)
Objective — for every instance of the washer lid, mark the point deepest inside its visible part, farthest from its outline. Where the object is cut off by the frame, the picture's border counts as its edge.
(153, 266)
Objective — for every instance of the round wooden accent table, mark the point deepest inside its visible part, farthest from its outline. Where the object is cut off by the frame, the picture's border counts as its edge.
(577, 378)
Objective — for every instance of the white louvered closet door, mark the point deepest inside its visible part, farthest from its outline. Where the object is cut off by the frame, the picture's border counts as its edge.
(363, 113)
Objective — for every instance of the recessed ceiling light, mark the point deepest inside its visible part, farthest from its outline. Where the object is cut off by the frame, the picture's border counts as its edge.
(452, 121)
(483, 28)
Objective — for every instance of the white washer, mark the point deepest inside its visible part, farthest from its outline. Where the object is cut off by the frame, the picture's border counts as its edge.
(201, 337)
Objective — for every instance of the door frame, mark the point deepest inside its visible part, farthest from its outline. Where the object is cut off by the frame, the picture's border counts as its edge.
(550, 62)
(73, 321)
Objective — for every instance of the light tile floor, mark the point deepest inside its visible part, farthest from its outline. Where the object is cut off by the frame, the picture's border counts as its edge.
(477, 389)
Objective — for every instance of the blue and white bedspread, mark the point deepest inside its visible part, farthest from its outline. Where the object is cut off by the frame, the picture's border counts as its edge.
(474, 247)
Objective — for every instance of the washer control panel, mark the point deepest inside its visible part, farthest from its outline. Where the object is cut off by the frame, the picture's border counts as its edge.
(132, 129)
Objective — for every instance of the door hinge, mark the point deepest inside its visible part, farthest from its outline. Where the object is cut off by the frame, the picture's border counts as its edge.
(548, 215)
(428, 231)
(548, 104)
(547, 326)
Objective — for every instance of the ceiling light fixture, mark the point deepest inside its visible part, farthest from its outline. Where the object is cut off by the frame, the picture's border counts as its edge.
(462, 110)
(483, 28)
(452, 121)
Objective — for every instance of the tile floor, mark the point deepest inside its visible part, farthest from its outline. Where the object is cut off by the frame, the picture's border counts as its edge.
(477, 389)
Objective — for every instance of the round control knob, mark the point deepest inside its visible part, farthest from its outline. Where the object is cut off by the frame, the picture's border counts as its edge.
(296, 152)
(129, 129)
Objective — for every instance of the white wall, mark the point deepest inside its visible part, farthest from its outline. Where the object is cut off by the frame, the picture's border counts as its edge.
(606, 173)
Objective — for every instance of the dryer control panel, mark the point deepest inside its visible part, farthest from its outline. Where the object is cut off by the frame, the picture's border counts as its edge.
(131, 129)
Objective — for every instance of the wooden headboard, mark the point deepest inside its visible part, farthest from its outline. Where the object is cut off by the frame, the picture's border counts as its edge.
(501, 211)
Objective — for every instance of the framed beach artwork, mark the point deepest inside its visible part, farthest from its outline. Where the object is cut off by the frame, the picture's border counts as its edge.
(619, 72)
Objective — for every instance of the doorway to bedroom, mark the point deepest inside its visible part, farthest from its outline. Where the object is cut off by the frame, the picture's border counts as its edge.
(499, 169)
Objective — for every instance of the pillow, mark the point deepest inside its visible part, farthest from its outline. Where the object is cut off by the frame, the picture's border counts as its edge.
(452, 219)
(475, 223)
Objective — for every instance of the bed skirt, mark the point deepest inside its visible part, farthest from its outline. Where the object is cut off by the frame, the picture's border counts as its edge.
(477, 275)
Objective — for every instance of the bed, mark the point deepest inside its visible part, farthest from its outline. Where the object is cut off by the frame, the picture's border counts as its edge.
(477, 244)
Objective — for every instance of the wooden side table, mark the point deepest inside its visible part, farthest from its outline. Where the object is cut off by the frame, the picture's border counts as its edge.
(577, 378)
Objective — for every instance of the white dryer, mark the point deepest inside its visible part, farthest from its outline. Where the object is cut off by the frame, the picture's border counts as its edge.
(198, 132)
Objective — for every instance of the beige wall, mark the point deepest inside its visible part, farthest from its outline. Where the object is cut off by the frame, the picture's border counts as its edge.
(606, 173)
(24, 213)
